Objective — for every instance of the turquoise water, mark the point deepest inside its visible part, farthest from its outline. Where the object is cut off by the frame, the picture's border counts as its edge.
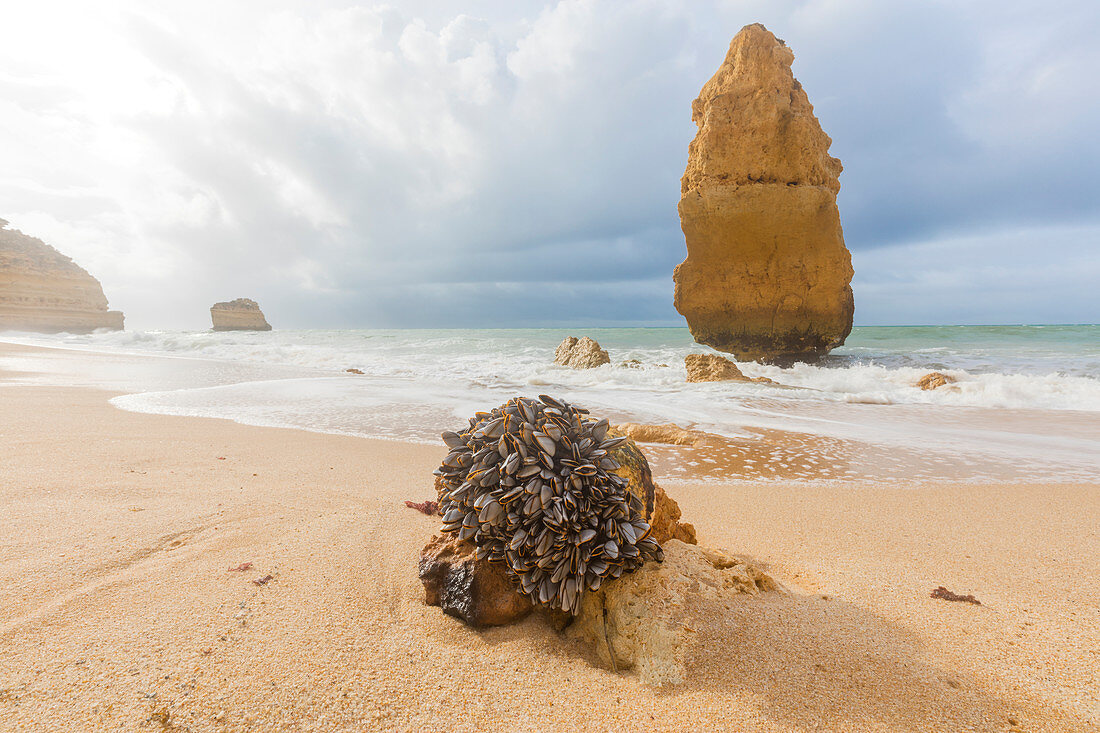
(1066, 350)
(1026, 400)
(1044, 349)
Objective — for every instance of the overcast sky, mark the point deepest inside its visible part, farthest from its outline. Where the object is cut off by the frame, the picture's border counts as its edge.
(518, 163)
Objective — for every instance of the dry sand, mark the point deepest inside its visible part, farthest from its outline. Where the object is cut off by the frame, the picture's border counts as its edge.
(118, 611)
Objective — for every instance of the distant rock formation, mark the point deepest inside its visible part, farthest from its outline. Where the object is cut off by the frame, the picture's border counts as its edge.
(932, 380)
(714, 368)
(582, 353)
(241, 314)
(767, 276)
(43, 290)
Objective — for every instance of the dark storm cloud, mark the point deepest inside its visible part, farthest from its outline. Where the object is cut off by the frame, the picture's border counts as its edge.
(411, 165)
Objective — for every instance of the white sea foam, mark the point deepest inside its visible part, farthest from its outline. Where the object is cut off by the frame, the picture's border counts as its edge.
(993, 374)
(417, 382)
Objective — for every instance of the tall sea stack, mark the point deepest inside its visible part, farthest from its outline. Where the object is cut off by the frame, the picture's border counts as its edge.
(767, 276)
(43, 290)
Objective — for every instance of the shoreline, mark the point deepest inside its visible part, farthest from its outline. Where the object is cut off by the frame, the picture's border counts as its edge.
(826, 442)
(118, 608)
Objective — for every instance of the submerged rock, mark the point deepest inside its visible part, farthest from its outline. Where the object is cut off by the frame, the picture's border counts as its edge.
(477, 591)
(42, 290)
(667, 433)
(932, 380)
(582, 353)
(242, 314)
(715, 368)
(767, 276)
(647, 620)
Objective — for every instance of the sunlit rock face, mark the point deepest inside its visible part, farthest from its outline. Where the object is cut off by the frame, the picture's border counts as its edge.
(241, 314)
(767, 276)
(582, 353)
(42, 290)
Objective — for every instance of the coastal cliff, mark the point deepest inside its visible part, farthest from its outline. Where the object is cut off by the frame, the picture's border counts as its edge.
(767, 276)
(43, 290)
(241, 314)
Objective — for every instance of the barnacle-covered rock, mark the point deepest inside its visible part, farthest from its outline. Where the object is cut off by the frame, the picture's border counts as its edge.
(647, 620)
(634, 469)
(580, 353)
(479, 592)
(661, 510)
(533, 485)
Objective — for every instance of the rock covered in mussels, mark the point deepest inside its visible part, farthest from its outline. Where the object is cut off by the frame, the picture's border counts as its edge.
(533, 486)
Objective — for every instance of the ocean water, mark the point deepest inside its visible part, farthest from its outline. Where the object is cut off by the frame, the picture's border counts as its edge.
(1026, 403)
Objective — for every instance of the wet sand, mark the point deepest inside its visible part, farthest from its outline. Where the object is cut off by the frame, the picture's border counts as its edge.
(118, 610)
(794, 456)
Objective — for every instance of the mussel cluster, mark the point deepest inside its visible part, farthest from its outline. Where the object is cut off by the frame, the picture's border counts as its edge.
(532, 485)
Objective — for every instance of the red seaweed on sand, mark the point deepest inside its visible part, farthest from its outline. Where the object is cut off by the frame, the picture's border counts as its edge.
(947, 595)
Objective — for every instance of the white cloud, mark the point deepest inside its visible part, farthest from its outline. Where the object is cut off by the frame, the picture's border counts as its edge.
(380, 164)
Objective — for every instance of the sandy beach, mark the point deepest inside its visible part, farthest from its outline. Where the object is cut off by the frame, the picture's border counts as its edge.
(550, 366)
(119, 611)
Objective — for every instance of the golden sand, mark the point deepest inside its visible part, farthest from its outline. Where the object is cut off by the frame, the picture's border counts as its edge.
(119, 611)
